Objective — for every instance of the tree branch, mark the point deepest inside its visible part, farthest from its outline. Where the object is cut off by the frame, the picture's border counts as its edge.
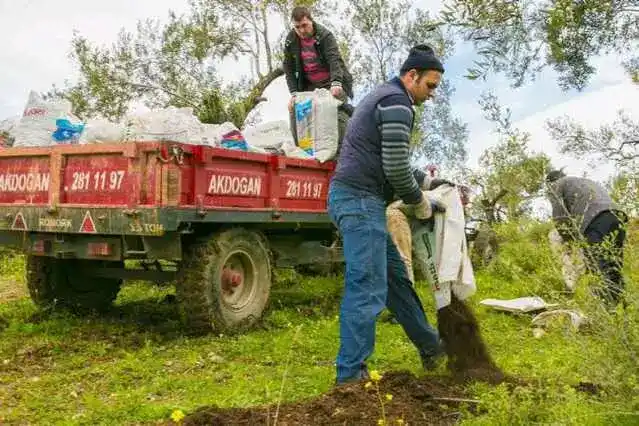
(161, 89)
(256, 93)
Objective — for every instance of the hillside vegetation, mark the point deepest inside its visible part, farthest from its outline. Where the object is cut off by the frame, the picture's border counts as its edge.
(136, 365)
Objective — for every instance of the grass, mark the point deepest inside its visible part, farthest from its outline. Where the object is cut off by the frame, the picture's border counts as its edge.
(135, 365)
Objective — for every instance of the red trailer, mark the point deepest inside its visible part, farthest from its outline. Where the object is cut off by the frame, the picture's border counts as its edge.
(224, 219)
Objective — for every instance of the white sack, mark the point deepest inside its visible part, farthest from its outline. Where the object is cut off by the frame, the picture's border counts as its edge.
(316, 123)
(520, 305)
(102, 131)
(174, 124)
(269, 135)
(38, 121)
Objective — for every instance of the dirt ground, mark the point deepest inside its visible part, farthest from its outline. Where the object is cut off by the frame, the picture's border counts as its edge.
(417, 401)
(11, 290)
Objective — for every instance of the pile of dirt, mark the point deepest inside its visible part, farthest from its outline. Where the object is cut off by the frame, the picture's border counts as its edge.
(468, 356)
(425, 401)
(417, 401)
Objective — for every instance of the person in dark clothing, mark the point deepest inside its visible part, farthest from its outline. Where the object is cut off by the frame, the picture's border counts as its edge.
(312, 60)
(581, 206)
(373, 166)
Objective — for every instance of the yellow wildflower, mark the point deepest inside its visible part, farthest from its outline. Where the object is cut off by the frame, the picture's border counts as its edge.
(381, 422)
(400, 422)
(177, 416)
(368, 385)
(389, 397)
(375, 376)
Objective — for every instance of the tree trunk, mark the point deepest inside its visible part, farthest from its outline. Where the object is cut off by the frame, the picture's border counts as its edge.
(267, 43)
(258, 45)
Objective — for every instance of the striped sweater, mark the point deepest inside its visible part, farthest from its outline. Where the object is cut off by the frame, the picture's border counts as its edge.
(375, 154)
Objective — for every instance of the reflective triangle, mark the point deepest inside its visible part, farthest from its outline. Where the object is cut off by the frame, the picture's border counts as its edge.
(87, 224)
(19, 223)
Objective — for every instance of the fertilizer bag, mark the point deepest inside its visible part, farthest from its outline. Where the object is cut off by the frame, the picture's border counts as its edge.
(316, 123)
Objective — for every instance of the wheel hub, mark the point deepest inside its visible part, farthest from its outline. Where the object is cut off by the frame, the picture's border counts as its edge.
(231, 279)
(237, 279)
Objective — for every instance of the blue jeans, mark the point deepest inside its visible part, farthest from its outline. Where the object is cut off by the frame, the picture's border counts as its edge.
(375, 277)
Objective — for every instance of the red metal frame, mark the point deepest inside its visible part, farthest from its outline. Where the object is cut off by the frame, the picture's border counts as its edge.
(161, 174)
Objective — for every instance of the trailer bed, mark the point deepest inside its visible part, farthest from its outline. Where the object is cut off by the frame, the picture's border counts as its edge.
(149, 188)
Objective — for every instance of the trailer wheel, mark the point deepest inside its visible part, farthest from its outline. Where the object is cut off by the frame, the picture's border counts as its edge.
(225, 282)
(65, 283)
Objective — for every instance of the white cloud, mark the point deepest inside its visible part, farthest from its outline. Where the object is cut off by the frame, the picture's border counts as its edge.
(36, 37)
(591, 109)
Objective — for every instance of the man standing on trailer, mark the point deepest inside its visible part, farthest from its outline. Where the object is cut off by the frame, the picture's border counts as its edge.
(374, 165)
(312, 60)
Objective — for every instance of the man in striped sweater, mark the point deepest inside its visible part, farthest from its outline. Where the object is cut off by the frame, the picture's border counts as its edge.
(373, 166)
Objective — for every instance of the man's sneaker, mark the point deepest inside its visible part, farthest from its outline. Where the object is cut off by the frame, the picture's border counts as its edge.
(362, 376)
(431, 361)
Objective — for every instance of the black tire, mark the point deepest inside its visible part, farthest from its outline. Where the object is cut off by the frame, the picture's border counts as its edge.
(67, 283)
(39, 278)
(225, 282)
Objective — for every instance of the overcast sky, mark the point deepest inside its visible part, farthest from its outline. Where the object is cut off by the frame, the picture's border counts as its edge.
(36, 38)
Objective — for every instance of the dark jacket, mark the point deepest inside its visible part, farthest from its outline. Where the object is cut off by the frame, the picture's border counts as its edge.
(374, 153)
(577, 201)
(330, 57)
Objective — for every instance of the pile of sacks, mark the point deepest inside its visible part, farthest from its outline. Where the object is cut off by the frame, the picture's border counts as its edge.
(46, 123)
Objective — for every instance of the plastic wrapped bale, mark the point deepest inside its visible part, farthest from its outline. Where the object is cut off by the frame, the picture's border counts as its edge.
(316, 119)
(271, 135)
(102, 131)
(174, 124)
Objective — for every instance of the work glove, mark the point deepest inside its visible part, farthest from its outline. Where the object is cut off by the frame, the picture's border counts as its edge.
(423, 210)
(425, 186)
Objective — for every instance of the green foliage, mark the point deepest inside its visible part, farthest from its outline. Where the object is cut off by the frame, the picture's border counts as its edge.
(173, 64)
(521, 38)
(509, 169)
(525, 257)
(509, 177)
(380, 33)
(159, 65)
(136, 365)
(441, 136)
(383, 31)
(625, 192)
(11, 264)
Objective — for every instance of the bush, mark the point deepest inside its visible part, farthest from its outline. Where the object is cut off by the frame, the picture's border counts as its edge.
(525, 259)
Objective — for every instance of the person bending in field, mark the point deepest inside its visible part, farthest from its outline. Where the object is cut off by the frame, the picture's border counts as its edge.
(581, 206)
